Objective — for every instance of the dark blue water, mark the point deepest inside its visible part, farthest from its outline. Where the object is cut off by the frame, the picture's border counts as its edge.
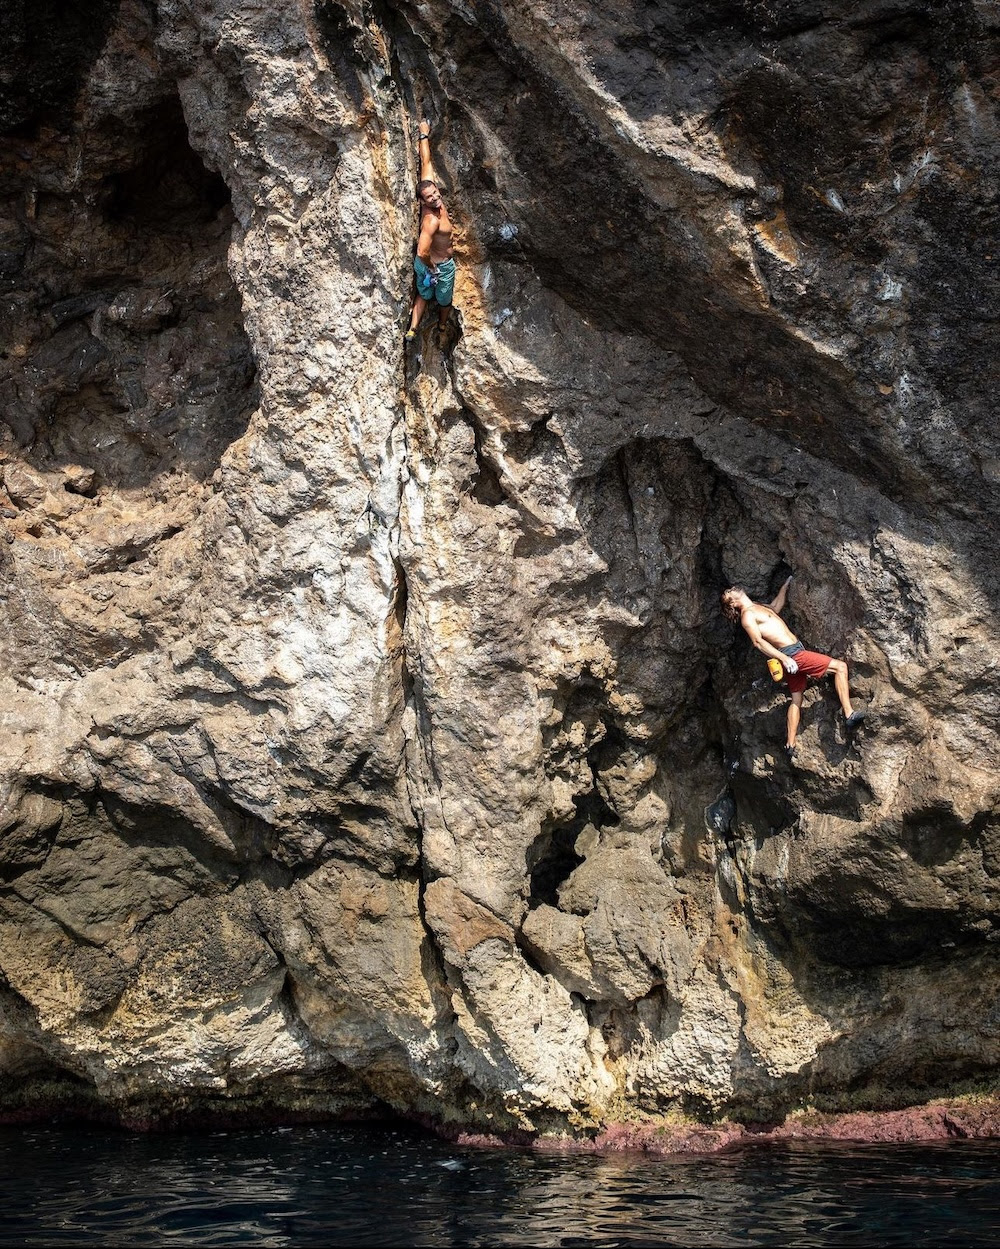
(395, 1187)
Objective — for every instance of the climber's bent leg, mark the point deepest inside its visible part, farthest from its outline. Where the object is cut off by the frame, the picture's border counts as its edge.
(425, 291)
(794, 715)
(853, 718)
(838, 670)
(443, 293)
(419, 305)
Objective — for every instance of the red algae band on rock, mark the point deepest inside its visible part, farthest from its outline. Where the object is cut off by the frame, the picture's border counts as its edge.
(933, 1121)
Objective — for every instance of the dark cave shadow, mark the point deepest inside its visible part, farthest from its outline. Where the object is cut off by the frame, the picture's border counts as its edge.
(50, 49)
(139, 366)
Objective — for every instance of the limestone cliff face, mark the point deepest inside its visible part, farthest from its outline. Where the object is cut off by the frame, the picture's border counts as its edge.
(371, 735)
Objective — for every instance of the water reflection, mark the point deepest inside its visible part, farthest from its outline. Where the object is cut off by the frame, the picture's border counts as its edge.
(388, 1187)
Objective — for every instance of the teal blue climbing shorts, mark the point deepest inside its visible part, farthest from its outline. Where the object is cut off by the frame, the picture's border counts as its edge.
(443, 289)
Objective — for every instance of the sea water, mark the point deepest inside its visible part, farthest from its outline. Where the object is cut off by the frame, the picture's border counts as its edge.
(395, 1186)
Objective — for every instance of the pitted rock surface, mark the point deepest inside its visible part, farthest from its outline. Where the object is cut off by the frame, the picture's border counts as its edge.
(372, 736)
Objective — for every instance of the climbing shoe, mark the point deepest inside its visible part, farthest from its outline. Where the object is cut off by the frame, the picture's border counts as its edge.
(789, 753)
(409, 336)
(854, 721)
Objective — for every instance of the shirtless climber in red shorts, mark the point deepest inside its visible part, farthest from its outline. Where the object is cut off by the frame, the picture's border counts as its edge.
(772, 636)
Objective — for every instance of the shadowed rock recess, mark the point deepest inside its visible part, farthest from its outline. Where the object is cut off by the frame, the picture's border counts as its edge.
(372, 742)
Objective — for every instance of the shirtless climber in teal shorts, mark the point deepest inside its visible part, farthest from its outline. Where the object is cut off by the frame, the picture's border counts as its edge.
(433, 265)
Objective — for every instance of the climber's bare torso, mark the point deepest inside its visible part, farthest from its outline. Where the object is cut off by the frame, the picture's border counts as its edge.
(435, 231)
(769, 624)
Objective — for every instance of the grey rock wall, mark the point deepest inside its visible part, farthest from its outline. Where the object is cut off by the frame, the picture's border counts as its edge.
(371, 734)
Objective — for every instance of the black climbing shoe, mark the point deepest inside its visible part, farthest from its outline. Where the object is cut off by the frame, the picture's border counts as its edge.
(789, 753)
(854, 721)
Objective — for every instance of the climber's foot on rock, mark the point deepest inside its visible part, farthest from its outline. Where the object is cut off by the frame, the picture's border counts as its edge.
(854, 721)
(409, 336)
(789, 753)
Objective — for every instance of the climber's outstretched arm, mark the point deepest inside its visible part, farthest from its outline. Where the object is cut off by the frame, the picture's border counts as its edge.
(778, 603)
(424, 149)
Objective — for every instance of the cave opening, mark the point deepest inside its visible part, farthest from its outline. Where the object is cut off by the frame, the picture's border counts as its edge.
(555, 860)
(168, 188)
(553, 856)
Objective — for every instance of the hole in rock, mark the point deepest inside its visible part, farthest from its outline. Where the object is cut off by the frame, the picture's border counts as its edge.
(486, 487)
(555, 859)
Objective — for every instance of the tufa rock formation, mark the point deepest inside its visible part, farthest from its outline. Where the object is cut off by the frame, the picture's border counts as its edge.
(371, 735)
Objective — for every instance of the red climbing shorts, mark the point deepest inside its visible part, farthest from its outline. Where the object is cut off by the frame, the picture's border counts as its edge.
(811, 664)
